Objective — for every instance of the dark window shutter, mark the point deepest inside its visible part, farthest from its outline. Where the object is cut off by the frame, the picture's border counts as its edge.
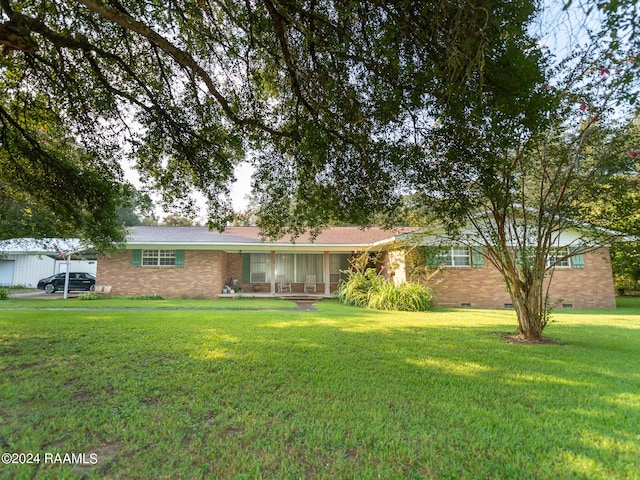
(179, 258)
(431, 257)
(344, 261)
(246, 268)
(477, 260)
(577, 258)
(344, 266)
(136, 258)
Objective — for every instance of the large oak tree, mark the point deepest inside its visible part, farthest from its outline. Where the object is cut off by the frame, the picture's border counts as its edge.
(316, 92)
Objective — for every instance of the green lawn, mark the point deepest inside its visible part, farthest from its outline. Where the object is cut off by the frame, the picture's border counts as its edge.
(337, 393)
(57, 301)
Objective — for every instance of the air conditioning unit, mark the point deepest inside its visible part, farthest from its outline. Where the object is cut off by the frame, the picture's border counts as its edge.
(258, 277)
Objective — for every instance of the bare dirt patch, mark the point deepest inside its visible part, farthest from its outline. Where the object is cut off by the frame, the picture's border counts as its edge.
(513, 338)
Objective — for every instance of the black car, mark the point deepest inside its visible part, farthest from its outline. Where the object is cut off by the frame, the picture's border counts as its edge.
(77, 281)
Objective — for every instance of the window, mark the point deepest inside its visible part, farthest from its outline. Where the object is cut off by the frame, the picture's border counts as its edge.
(559, 258)
(291, 267)
(158, 258)
(286, 266)
(309, 264)
(454, 257)
(294, 267)
(338, 263)
(260, 267)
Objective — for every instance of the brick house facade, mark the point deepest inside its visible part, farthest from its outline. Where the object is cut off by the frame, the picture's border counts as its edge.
(193, 262)
(202, 276)
(482, 286)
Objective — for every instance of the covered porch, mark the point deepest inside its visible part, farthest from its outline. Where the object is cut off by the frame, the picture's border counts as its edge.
(283, 296)
(285, 273)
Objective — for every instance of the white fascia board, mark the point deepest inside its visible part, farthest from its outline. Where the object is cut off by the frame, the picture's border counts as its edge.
(248, 247)
(574, 235)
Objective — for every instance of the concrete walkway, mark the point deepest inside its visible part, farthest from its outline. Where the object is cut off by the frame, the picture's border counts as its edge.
(40, 295)
(303, 305)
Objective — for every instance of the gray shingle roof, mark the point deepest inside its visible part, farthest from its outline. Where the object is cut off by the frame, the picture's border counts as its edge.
(353, 236)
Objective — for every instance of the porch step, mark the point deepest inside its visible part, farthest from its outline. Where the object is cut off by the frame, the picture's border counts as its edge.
(285, 296)
(302, 298)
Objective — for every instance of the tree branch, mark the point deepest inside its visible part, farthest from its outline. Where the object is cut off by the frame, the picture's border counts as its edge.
(182, 57)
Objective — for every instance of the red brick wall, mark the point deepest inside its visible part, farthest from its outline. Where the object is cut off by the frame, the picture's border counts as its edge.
(206, 272)
(234, 270)
(588, 287)
(203, 275)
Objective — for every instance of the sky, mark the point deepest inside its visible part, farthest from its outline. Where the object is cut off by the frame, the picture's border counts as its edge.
(239, 191)
(242, 187)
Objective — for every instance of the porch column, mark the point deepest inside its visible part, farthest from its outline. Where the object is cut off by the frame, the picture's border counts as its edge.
(327, 275)
(273, 272)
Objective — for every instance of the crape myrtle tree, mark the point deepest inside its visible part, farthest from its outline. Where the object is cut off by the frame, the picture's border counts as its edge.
(319, 95)
(516, 209)
(510, 188)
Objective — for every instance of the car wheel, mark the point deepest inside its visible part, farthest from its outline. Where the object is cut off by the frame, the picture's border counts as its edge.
(49, 288)
(92, 288)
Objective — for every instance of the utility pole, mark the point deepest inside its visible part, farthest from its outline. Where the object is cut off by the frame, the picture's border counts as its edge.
(66, 276)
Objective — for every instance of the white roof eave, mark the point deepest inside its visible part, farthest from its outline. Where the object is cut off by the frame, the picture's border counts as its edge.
(250, 246)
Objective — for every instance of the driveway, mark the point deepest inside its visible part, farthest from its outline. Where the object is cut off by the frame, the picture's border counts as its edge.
(38, 295)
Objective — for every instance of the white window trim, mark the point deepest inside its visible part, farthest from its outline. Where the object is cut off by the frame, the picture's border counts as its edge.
(564, 252)
(447, 255)
(158, 256)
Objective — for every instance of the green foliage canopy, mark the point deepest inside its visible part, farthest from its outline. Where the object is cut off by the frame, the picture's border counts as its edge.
(50, 186)
(326, 96)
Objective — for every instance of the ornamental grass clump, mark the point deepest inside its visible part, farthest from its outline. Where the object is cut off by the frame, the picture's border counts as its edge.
(370, 290)
(359, 286)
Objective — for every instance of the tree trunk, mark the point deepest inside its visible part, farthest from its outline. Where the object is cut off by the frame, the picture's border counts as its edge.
(530, 317)
(528, 302)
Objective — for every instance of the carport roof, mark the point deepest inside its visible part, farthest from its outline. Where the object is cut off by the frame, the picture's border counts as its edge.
(42, 246)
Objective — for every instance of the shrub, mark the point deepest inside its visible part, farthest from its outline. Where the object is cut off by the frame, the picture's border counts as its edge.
(370, 290)
(358, 287)
(4, 293)
(146, 297)
(92, 296)
(414, 297)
